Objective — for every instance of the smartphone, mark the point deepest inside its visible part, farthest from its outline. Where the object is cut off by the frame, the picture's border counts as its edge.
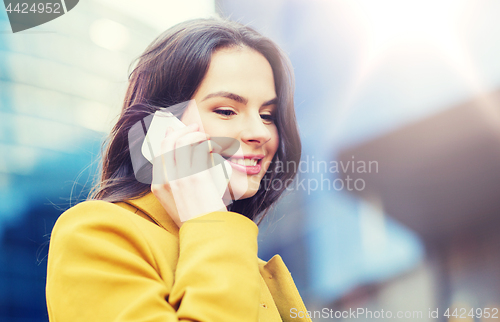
(162, 120)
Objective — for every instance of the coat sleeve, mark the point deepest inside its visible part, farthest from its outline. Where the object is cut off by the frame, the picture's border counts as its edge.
(101, 268)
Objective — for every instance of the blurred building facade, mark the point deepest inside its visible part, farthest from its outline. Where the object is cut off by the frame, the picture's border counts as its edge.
(440, 177)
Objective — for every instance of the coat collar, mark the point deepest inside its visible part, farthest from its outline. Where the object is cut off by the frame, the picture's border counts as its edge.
(151, 207)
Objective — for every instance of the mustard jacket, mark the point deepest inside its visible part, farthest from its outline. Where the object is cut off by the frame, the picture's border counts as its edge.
(129, 261)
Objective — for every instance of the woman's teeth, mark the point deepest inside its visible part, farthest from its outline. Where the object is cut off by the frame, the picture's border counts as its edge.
(245, 162)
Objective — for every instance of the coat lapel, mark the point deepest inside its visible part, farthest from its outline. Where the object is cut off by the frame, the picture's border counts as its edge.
(283, 289)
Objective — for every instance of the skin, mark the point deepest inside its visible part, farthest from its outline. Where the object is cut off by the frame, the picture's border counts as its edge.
(236, 99)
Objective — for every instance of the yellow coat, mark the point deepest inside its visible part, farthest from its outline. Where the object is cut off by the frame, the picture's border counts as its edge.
(129, 261)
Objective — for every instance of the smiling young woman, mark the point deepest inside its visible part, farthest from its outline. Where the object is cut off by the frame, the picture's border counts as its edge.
(237, 99)
(126, 254)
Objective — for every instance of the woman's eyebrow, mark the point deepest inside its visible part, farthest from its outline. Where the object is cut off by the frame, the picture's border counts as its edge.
(271, 102)
(237, 98)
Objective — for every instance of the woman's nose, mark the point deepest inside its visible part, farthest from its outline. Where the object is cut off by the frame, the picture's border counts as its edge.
(254, 131)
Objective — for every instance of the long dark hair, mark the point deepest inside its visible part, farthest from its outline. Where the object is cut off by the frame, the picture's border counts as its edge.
(169, 72)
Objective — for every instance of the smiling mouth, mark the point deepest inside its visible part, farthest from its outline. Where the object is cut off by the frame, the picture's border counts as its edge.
(247, 165)
(244, 162)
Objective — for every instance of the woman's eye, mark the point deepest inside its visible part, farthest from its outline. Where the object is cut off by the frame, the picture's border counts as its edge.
(225, 112)
(267, 117)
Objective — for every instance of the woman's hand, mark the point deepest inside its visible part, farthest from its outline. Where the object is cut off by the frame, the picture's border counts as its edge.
(186, 189)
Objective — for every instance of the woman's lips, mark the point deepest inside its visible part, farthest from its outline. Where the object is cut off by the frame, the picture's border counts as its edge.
(248, 169)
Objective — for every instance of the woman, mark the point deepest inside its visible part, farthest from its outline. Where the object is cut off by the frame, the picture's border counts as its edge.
(128, 253)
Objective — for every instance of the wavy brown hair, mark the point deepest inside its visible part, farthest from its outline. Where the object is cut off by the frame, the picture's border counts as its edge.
(169, 72)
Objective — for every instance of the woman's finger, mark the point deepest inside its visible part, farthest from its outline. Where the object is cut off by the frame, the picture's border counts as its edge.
(191, 138)
(183, 153)
(164, 164)
(216, 148)
(168, 142)
(167, 150)
(201, 157)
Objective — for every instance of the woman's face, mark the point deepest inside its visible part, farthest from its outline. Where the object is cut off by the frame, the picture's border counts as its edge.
(237, 99)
